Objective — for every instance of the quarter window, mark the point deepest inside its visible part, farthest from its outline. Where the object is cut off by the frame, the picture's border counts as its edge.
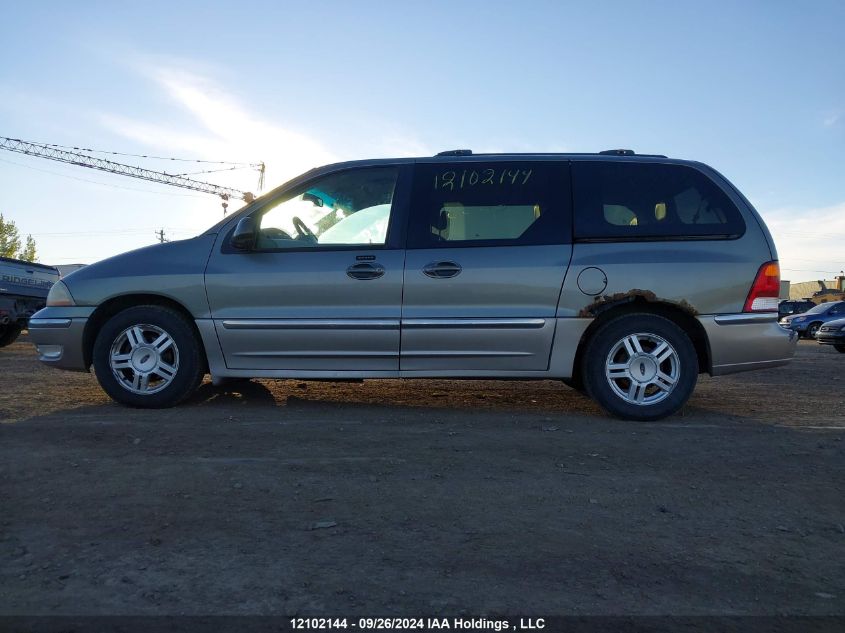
(625, 200)
(489, 204)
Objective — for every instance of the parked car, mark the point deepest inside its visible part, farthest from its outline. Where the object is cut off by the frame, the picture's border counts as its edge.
(809, 322)
(833, 333)
(23, 291)
(623, 275)
(797, 306)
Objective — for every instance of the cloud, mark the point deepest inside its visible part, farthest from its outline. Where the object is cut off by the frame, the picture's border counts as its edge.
(214, 124)
(832, 119)
(222, 129)
(809, 241)
(398, 144)
(225, 129)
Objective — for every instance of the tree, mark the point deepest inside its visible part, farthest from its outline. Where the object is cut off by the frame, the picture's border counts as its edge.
(10, 242)
(28, 253)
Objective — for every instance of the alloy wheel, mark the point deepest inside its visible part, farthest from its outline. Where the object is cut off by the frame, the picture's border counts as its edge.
(144, 359)
(642, 368)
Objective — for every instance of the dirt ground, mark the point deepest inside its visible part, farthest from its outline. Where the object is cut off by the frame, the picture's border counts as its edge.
(422, 498)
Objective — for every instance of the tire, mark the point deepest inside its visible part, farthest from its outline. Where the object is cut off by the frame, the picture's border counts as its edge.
(9, 333)
(148, 357)
(812, 329)
(576, 383)
(839, 347)
(622, 349)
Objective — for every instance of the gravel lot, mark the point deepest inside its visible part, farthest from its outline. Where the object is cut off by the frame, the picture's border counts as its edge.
(437, 497)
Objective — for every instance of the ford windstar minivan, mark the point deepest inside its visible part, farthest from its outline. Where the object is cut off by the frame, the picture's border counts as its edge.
(621, 275)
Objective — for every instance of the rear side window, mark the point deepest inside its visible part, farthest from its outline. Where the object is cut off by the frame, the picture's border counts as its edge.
(624, 200)
(490, 204)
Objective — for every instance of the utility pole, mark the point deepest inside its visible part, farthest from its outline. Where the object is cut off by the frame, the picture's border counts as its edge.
(161, 237)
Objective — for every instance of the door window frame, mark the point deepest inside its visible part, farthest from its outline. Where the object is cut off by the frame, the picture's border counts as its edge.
(418, 226)
(588, 233)
(396, 228)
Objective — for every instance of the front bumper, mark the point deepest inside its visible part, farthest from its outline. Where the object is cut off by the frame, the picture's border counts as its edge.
(58, 337)
(742, 342)
(831, 337)
(800, 327)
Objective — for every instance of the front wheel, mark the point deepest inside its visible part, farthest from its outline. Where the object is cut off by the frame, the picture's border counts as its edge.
(9, 333)
(149, 357)
(640, 367)
(813, 329)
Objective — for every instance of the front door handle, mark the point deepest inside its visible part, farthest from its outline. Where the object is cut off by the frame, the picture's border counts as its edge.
(442, 270)
(365, 271)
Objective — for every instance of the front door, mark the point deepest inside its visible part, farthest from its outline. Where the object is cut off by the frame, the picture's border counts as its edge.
(322, 288)
(488, 247)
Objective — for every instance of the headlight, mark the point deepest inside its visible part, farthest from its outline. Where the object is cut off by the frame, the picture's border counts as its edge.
(59, 295)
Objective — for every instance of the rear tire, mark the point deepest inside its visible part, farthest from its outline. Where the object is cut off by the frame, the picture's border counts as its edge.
(148, 357)
(9, 333)
(840, 347)
(640, 367)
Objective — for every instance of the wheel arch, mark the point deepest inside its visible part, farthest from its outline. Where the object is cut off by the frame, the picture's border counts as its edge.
(680, 315)
(113, 306)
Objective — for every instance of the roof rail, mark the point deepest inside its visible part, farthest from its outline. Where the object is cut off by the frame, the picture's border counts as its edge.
(456, 152)
(619, 152)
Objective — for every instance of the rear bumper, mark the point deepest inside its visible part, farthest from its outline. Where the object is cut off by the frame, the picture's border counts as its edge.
(743, 342)
(58, 337)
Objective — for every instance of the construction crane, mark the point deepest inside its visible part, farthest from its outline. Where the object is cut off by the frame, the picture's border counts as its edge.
(53, 152)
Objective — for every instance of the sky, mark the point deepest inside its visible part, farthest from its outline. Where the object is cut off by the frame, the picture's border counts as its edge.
(754, 89)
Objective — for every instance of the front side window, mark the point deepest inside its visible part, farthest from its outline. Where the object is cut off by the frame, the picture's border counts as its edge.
(490, 204)
(626, 200)
(348, 208)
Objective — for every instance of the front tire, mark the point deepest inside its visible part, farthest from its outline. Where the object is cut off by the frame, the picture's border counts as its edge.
(640, 367)
(9, 333)
(148, 357)
(812, 330)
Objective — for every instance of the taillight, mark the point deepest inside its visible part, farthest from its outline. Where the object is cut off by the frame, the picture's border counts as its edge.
(765, 290)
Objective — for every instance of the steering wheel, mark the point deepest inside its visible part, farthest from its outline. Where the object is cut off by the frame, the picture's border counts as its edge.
(304, 232)
(275, 233)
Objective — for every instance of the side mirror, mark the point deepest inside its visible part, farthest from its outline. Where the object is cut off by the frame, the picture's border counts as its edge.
(243, 238)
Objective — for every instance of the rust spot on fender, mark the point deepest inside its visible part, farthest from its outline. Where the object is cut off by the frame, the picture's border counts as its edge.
(600, 304)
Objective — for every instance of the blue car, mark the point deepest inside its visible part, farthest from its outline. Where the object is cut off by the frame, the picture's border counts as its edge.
(808, 323)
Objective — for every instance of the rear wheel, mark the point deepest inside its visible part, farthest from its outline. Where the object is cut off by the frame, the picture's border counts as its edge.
(839, 347)
(640, 367)
(9, 333)
(148, 356)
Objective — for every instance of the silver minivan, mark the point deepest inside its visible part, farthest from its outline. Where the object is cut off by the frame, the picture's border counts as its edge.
(622, 275)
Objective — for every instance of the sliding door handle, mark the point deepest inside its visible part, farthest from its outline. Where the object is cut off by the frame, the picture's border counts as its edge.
(442, 270)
